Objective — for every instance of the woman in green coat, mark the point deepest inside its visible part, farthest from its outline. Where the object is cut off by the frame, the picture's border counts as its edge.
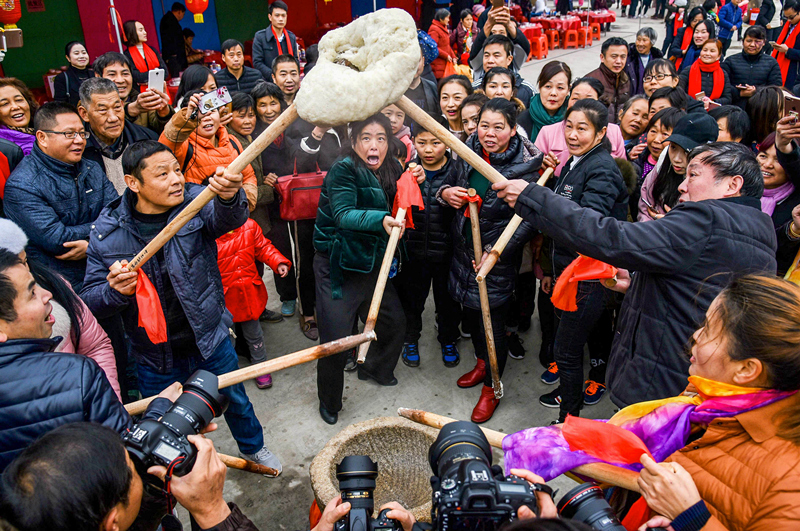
(353, 225)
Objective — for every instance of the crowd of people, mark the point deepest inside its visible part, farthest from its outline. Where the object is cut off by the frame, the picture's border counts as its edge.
(676, 166)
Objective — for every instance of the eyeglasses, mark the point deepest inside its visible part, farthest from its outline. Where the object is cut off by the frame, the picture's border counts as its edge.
(659, 77)
(69, 135)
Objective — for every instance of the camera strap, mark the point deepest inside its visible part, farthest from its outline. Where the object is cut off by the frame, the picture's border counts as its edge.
(168, 479)
(541, 487)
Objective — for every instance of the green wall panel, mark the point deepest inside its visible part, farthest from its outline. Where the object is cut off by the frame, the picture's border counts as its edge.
(241, 19)
(44, 35)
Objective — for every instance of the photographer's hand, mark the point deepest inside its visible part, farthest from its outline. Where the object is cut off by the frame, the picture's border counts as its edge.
(200, 491)
(334, 511)
(401, 514)
(547, 507)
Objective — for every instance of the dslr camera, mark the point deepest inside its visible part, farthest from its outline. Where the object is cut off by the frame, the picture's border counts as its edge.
(163, 442)
(356, 475)
(468, 492)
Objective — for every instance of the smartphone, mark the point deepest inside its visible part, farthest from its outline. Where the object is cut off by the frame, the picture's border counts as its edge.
(700, 95)
(498, 3)
(713, 105)
(214, 100)
(10, 38)
(772, 43)
(647, 203)
(791, 105)
(155, 79)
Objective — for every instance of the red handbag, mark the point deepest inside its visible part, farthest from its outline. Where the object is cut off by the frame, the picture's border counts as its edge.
(300, 194)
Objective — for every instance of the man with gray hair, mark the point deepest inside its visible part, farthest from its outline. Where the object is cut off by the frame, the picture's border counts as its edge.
(640, 53)
(672, 267)
(102, 110)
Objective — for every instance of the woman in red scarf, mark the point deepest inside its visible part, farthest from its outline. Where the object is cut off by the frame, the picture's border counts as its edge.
(143, 57)
(706, 75)
(683, 39)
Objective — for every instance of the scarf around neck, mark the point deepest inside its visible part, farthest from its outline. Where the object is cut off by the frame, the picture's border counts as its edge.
(789, 41)
(696, 79)
(687, 40)
(541, 117)
(146, 62)
(286, 40)
(773, 196)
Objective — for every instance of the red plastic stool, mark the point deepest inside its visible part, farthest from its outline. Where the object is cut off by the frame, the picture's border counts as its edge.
(595, 30)
(571, 39)
(584, 36)
(553, 39)
(538, 47)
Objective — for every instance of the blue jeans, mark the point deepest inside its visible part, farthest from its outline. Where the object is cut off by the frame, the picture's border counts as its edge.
(240, 416)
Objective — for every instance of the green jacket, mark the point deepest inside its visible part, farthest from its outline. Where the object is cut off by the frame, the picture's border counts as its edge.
(349, 226)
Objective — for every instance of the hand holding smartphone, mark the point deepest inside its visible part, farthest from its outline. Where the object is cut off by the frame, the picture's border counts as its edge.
(155, 79)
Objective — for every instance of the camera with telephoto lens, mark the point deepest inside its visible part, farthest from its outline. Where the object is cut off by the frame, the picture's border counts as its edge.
(356, 475)
(468, 492)
(585, 503)
(163, 442)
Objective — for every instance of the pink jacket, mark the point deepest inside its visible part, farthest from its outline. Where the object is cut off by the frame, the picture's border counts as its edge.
(96, 345)
(551, 138)
(647, 190)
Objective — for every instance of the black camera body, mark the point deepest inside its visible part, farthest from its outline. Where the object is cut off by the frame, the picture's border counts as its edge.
(356, 475)
(468, 492)
(163, 442)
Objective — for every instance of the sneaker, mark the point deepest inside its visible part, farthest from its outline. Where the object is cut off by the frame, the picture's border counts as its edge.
(411, 354)
(550, 376)
(266, 458)
(593, 393)
(351, 364)
(264, 382)
(551, 399)
(288, 308)
(450, 355)
(515, 348)
(268, 316)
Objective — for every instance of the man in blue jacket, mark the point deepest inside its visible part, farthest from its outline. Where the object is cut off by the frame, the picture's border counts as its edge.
(55, 194)
(184, 273)
(42, 389)
(273, 41)
(730, 20)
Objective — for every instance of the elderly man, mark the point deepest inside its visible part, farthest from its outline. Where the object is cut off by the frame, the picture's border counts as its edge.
(679, 263)
(611, 73)
(752, 68)
(150, 108)
(640, 53)
(273, 41)
(110, 133)
(56, 195)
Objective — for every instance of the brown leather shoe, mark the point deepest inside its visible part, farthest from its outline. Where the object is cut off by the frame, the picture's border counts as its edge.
(473, 377)
(486, 405)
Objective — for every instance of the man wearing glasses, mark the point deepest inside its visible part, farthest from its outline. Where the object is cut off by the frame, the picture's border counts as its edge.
(55, 195)
(752, 68)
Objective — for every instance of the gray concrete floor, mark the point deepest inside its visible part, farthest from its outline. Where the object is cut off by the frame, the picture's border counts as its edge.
(288, 412)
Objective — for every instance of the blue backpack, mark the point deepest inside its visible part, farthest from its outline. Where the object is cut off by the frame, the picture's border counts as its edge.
(429, 48)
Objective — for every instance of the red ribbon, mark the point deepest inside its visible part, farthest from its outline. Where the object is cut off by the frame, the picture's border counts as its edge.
(151, 314)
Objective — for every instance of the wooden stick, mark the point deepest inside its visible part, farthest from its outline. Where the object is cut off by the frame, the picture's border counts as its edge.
(274, 365)
(602, 472)
(237, 166)
(505, 237)
(497, 385)
(248, 466)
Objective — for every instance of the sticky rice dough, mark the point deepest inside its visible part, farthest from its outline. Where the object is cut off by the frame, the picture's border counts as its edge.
(383, 50)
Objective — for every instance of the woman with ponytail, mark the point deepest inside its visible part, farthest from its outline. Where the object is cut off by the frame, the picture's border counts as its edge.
(143, 57)
(683, 39)
(706, 75)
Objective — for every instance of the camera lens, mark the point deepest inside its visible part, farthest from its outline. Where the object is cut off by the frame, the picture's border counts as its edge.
(356, 475)
(456, 442)
(197, 406)
(585, 503)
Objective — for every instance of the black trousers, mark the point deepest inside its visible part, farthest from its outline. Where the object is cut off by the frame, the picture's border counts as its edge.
(499, 316)
(279, 236)
(303, 236)
(337, 318)
(115, 331)
(413, 284)
(547, 323)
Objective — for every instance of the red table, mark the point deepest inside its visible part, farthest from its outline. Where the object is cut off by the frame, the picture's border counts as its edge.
(600, 17)
(558, 23)
(531, 31)
(516, 12)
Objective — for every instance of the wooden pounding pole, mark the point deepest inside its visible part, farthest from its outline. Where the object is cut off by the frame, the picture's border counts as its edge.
(602, 472)
(237, 166)
(274, 365)
(248, 466)
(497, 385)
(505, 237)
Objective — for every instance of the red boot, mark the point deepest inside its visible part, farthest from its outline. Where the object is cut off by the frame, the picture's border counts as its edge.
(473, 377)
(486, 405)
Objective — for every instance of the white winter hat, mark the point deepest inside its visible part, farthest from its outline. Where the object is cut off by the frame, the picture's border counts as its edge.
(12, 237)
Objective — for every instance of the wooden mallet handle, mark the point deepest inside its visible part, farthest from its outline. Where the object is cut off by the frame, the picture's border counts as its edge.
(237, 166)
(602, 472)
(274, 365)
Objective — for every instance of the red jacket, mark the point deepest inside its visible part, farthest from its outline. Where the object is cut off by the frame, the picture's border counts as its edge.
(237, 251)
(442, 37)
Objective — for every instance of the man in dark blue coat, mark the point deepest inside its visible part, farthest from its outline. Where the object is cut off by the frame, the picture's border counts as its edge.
(42, 389)
(273, 41)
(55, 194)
(677, 264)
(184, 273)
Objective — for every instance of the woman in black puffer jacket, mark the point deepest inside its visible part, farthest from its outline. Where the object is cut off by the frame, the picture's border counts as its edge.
(496, 140)
(592, 179)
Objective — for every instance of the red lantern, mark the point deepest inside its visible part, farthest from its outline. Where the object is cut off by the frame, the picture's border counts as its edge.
(10, 13)
(195, 6)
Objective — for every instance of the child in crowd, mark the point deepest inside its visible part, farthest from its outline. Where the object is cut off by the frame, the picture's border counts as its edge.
(470, 110)
(429, 248)
(399, 129)
(245, 292)
(733, 122)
